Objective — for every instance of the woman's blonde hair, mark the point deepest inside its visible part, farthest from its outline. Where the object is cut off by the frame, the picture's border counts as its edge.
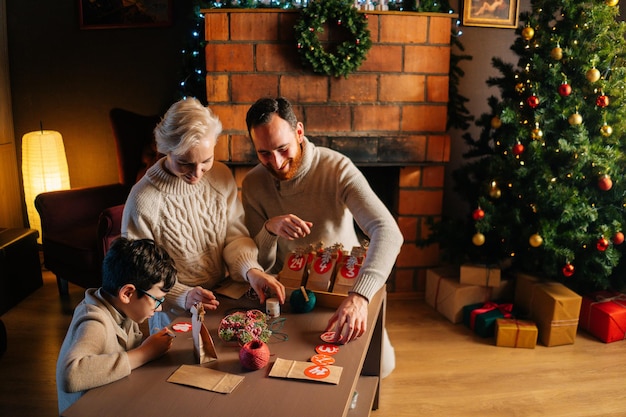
(185, 123)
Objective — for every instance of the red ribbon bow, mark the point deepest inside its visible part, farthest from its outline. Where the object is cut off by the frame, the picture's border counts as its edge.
(505, 309)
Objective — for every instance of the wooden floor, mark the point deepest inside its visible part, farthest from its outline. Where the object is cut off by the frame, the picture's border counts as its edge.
(442, 369)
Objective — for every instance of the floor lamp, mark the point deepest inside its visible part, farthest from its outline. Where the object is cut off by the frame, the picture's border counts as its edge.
(44, 168)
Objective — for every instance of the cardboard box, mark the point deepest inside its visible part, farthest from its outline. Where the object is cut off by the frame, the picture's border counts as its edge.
(481, 317)
(552, 306)
(485, 275)
(516, 333)
(603, 314)
(448, 296)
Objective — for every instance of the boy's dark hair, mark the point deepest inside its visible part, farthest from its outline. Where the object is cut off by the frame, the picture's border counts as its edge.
(140, 262)
(261, 112)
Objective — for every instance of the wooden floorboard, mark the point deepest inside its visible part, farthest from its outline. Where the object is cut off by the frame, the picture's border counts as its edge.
(442, 369)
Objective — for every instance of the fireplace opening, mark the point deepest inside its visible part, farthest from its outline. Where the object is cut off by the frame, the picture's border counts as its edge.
(385, 182)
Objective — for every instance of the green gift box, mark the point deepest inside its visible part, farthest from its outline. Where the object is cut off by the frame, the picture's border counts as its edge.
(481, 317)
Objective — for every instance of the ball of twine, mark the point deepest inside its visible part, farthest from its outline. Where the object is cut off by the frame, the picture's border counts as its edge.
(254, 355)
(302, 301)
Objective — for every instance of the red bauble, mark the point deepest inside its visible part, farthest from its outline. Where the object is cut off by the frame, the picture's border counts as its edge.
(533, 101)
(605, 183)
(618, 238)
(565, 89)
(602, 244)
(478, 214)
(602, 101)
(518, 149)
(568, 270)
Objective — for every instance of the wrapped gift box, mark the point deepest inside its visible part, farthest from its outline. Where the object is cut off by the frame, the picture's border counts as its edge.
(516, 333)
(481, 317)
(603, 314)
(552, 306)
(448, 296)
(486, 275)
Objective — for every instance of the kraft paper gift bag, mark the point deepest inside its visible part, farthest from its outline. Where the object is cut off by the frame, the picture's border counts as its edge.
(203, 346)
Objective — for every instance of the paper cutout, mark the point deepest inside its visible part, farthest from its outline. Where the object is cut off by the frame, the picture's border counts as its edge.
(323, 360)
(203, 346)
(205, 378)
(327, 349)
(284, 368)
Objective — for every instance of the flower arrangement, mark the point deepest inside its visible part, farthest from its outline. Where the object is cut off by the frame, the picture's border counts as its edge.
(244, 326)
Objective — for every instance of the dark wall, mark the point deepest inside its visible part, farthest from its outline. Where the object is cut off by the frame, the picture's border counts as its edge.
(69, 78)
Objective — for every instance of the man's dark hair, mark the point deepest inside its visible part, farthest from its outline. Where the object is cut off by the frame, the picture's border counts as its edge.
(140, 262)
(261, 112)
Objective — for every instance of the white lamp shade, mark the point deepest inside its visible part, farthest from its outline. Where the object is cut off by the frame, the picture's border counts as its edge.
(44, 168)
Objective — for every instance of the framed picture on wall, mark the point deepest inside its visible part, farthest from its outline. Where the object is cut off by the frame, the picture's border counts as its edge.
(491, 13)
(109, 14)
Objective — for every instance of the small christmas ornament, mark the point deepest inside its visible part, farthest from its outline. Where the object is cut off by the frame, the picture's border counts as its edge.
(593, 75)
(602, 244)
(535, 240)
(496, 122)
(605, 183)
(478, 239)
(533, 101)
(528, 33)
(618, 238)
(602, 101)
(606, 130)
(518, 149)
(612, 3)
(536, 133)
(568, 270)
(520, 88)
(556, 53)
(478, 214)
(494, 191)
(565, 89)
(575, 119)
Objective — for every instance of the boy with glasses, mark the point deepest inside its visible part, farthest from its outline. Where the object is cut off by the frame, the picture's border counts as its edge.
(104, 342)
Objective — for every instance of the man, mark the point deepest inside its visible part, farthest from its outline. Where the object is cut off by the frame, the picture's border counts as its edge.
(301, 194)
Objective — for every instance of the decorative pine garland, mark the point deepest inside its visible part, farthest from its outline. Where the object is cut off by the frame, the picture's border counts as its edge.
(349, 55)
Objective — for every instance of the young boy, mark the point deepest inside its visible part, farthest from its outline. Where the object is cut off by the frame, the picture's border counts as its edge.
(103, 342)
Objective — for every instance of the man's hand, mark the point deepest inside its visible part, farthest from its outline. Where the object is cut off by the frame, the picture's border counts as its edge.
(199, 294)
(350, 319)
(288, 226)
(262, 282)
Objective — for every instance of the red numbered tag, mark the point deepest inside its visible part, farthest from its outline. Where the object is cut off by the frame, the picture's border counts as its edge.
(321, 266)
(329, 337)
(181, 327)
(295, 262)
(317, 372)
(322, 360)
(350, 273)
(327, 349)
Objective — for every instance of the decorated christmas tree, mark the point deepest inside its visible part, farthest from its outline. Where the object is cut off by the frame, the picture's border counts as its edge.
(545, 179)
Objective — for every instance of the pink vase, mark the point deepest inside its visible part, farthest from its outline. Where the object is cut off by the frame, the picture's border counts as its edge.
(254, 355)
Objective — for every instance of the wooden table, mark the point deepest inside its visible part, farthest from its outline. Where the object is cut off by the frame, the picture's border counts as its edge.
(147, 393)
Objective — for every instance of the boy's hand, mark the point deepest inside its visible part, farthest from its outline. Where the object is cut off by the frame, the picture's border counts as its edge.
(153, 347)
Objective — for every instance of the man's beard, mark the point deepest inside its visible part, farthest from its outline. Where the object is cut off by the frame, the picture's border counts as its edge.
(294, 165)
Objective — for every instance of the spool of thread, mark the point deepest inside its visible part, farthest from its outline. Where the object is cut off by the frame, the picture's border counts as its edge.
(272, 307)
(254, 355)
(302, 301)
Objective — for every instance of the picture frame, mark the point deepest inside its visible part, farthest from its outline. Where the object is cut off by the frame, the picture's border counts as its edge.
(110, 14)
(491, 13)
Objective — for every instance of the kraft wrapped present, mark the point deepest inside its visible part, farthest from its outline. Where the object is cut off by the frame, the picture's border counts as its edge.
(603, 314)
(323, 268)
(516, 333)
(486, 275)
(448, 296)
(347, 271)
(552, 306)
(481, 317)
(294, 271)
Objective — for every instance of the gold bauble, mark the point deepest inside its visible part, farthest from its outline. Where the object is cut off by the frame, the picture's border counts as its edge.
(593, 75)
(478, 239)
(556, 53)
(611, 3)
(520, 88)
(536, 133)
(606, 130)
(496, 122)
(575, 119)
(535, 240)
(494, 192)
(528, 33)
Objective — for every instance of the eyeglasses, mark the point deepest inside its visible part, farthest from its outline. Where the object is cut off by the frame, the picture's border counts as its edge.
(157, 301)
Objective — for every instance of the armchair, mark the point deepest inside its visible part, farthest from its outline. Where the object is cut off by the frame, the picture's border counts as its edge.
(73, 240)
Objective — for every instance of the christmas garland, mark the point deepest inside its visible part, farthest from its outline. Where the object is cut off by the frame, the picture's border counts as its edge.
(349, 54)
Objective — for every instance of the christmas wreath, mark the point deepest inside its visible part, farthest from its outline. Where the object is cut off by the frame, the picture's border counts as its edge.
(349, 54)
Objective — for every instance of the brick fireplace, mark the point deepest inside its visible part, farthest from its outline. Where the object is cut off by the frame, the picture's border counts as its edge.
(389, 117)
